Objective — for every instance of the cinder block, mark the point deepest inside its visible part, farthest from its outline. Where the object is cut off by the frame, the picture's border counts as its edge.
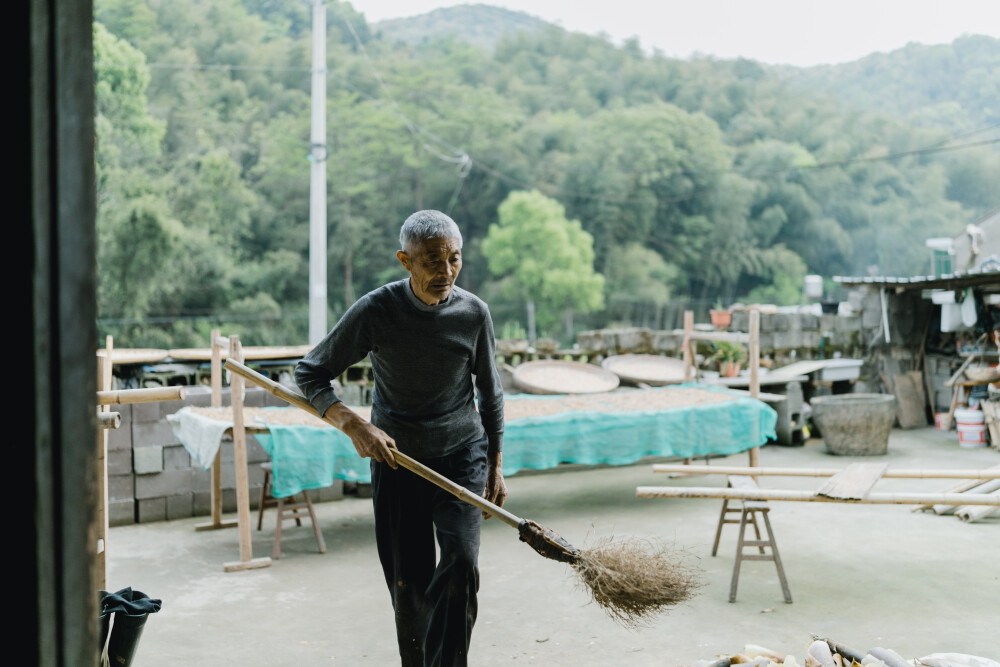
(167, 483)
(849, 323)
(767, 322)
(145, 413)
(272, 401)
(153, 433)
(119, 462)
(330, 493)
(200, 396)
(201, 478)
(826, 323)
(740, 321)
(148, 510)
(180, 506)
(121, 487)
(202, 502)
(871, 318)
(176, 456)
(170, 407)
(147, 460)
(120, 439)
(121, 512)
(254, 397)
(856, 299)
(666, 341)
(809, 339)
(808, 321)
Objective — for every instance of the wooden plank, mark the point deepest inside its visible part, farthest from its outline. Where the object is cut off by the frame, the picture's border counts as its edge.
(853, 482)
(904, 473)
(957, 499)
(910, 401)
(990, 412)
(743, 483)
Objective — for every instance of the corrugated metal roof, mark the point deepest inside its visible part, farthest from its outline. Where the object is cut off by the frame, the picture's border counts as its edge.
(947, 281)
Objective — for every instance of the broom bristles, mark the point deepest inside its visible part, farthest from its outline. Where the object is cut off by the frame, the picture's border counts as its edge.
(634, 579)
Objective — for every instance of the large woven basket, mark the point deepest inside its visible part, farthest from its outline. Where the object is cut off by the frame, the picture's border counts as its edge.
(982, 374)
(651, 369)
(563, 377)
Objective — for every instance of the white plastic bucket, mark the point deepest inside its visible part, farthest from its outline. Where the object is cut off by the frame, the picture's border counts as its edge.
(971, 426)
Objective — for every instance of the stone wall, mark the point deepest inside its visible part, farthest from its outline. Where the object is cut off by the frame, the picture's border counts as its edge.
(151, 476)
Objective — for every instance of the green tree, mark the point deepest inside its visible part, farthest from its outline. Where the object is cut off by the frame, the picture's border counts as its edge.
(549, 259)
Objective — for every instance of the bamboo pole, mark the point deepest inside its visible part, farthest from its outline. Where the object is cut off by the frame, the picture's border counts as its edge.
(215, 489)
(147, 395)
(811, 497)
(109, 420)
(916, 473)
(104, 382)
(688, 345)
(247, 561)
(754, 354)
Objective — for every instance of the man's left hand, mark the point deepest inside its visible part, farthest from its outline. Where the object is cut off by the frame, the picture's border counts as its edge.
(496, 488)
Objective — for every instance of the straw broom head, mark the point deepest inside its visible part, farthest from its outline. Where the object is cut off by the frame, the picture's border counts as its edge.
(634, 579)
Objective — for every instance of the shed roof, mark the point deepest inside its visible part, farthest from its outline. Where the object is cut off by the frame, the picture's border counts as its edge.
(988, 278)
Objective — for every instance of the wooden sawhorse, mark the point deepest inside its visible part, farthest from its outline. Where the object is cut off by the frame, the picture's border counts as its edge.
(748, 511)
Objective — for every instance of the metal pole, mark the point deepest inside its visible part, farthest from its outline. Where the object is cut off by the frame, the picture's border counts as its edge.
(317, 180)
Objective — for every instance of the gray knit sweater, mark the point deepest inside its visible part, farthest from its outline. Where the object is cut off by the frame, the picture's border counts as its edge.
(425, 362)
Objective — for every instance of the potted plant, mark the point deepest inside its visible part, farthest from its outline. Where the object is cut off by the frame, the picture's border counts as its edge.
(721, 317)
(730, 357)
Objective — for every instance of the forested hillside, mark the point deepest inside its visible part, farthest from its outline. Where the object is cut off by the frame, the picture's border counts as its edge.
(676, 180)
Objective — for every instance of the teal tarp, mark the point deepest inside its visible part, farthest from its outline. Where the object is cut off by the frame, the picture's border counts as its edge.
(306, 457)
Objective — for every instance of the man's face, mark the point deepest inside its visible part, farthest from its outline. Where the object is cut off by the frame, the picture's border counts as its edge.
(433, 266)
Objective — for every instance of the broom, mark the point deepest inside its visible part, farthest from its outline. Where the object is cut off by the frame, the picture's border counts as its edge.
(631, 580)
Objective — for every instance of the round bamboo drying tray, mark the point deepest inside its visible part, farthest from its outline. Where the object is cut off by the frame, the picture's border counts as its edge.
(563, 377)
(651, 369)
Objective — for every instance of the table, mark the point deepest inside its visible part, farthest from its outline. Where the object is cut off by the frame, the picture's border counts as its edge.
(541, 432)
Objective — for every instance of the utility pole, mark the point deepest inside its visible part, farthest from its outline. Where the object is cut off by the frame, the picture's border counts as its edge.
(317, 179)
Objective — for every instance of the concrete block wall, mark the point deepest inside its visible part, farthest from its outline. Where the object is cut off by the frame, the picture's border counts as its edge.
(888, 343)
(151, 476)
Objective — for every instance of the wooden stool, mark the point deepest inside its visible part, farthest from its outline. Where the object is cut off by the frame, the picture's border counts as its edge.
(288, 509)
(748, 511)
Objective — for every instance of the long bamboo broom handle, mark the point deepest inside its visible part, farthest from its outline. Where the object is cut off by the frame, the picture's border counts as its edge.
(407, 462)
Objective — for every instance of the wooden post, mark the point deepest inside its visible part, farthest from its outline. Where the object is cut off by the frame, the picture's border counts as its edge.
(688, 345)
(216, 477)
(236, 384)
(104, 376)
(754, 354)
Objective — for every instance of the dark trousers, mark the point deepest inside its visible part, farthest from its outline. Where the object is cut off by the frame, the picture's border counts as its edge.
(434, 598)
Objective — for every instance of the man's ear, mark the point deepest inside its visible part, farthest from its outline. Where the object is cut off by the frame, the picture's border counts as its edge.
(403, 258)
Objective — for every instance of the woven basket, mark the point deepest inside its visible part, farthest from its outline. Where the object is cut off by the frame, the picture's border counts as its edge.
(982, 374)
(651, 369)
(563, 377)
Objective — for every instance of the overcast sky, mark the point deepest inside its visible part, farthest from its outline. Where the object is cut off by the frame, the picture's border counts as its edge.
(797, 32)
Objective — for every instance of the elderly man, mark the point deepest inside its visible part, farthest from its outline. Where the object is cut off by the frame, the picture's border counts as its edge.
(431, 347)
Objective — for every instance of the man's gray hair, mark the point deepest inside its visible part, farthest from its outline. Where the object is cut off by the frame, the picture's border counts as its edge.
(429, 224)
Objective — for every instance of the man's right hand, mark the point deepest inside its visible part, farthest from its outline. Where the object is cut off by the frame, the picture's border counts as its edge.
(369, 440)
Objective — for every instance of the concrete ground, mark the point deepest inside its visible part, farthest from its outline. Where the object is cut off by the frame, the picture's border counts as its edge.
(861, 575)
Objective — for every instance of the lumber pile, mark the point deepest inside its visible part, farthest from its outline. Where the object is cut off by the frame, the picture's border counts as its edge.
(968, 513)
(823, 652)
